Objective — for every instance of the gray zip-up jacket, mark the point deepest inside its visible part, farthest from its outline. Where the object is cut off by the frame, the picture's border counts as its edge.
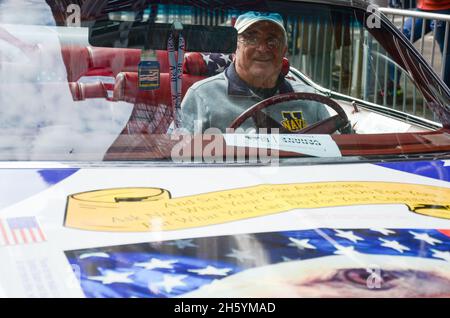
(216, 101)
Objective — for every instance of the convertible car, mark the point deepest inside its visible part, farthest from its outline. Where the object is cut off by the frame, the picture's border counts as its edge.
(103, 194)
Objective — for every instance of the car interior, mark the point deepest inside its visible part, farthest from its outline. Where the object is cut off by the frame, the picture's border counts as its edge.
(107, 70)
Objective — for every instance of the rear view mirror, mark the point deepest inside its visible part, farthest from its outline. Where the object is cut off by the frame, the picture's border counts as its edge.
(141, 35)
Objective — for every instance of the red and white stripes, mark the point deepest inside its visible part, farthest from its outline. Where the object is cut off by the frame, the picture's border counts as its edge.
(23, 230)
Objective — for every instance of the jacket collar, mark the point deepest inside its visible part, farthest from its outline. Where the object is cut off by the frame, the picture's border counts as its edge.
(237, 87)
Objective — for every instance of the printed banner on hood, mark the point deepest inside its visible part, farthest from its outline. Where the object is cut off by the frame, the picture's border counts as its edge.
(153, 209)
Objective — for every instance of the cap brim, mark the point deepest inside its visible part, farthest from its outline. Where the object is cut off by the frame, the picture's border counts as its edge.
(250, 22)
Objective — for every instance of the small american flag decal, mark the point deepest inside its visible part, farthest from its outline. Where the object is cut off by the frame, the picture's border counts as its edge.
(20, 230)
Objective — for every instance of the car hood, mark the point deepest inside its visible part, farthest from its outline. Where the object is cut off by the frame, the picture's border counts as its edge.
(87, 214)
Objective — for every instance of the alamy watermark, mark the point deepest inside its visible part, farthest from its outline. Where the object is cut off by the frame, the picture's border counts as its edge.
(74, 15)
(373, 20)
(374, 280)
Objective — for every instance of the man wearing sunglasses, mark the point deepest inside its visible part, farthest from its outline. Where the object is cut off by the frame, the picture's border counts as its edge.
(254, 75)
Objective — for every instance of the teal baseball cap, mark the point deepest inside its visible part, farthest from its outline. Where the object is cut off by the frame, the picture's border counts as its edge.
(244, 21)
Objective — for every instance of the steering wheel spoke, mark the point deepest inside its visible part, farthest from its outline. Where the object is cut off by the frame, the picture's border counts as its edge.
(326, 126)
(262, 120)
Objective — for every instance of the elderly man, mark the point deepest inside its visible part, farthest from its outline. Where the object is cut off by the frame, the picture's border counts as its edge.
(254, 75)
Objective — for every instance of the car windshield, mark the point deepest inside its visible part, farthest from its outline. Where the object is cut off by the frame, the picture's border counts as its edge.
(161, 81)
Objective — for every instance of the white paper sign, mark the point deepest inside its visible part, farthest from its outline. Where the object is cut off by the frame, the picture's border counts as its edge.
(312, 145)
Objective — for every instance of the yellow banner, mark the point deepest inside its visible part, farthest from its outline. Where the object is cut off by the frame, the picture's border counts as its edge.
(153, 209)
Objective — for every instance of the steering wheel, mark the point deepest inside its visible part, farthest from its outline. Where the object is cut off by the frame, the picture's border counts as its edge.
(326, 126)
